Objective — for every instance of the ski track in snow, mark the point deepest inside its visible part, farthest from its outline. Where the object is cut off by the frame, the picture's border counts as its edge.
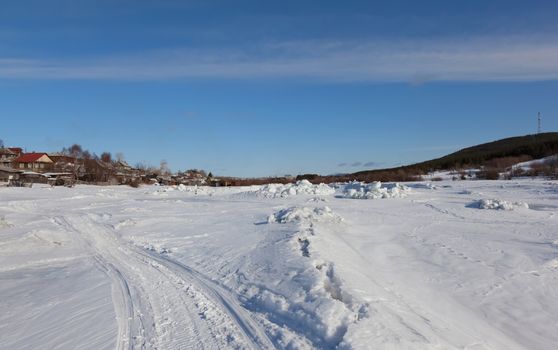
(169, 305)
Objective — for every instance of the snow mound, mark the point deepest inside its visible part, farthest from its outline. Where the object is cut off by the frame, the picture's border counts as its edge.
(299, 214)
(497, 204)
(319, 308)
(302, 187)
(311, 308)
(375, 190)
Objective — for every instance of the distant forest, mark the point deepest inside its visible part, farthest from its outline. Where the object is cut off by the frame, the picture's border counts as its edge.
(491, 157)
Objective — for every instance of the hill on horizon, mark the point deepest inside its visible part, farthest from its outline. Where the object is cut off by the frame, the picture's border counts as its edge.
(494, 154)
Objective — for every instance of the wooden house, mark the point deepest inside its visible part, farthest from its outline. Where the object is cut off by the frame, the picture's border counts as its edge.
(7, 156)
(7, 174)
(36, 162)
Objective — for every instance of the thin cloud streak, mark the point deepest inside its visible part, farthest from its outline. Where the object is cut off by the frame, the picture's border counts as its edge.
(479, 59)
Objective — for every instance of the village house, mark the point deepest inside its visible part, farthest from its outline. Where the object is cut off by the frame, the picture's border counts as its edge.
(62, 159)
(7, 174)
(37, 162)
(191, 177)
(94, 170)
(7, 156)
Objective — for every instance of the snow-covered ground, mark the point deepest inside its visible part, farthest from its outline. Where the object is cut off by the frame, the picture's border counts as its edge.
(291, 267)
(526, 166)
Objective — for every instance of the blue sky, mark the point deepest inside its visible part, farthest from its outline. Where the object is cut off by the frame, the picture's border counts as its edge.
(253, 88)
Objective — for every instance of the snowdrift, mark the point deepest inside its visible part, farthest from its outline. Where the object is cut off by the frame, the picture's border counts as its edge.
(312, 309)
(302, 187)
(297, 214)
(497, 204)
(375, 190)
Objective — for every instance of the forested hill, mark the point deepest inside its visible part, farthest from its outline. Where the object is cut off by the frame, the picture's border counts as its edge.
(534, 146)
(502, 152)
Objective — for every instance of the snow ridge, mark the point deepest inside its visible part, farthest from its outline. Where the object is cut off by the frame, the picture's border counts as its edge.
(311, 309)
(374, 190)
(304, 214)
(497, 204)
(302, 187)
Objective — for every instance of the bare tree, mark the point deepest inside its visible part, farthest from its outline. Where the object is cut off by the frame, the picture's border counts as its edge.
(164, 167)
(75, 150)
(1, 143)
(106, 157)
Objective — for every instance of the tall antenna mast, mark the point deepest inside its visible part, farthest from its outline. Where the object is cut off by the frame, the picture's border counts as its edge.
(539, 123)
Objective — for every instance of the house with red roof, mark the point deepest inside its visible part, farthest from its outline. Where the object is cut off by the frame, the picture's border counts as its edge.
(37, 162)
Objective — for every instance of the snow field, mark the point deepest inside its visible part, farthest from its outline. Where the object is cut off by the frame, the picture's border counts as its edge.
(117, 267)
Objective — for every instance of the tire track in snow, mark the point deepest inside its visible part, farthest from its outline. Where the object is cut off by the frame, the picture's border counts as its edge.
(125, 310)
(121, 296)
(162, 303)
(222, 296)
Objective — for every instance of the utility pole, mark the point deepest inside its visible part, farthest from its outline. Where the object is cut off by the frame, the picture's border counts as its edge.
(539, 123)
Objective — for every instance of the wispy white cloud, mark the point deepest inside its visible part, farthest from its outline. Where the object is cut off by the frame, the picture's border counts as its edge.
(520, 58)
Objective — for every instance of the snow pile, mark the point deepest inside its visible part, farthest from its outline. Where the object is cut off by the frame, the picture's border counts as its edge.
(311, 311)
(299, 214)
(311, 308)
(375, 190)
(298, 188)
(497, 204)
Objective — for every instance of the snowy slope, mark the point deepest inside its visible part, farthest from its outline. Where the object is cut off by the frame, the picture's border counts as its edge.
(280, 267)
(529, 164)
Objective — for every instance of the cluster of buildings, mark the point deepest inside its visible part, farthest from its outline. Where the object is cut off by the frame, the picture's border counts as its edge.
(19, 168)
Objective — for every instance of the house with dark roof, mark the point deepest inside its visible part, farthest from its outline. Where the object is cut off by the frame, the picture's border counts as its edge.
(7, 155)
(8, 174)
(37, 162)
(16, 150)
